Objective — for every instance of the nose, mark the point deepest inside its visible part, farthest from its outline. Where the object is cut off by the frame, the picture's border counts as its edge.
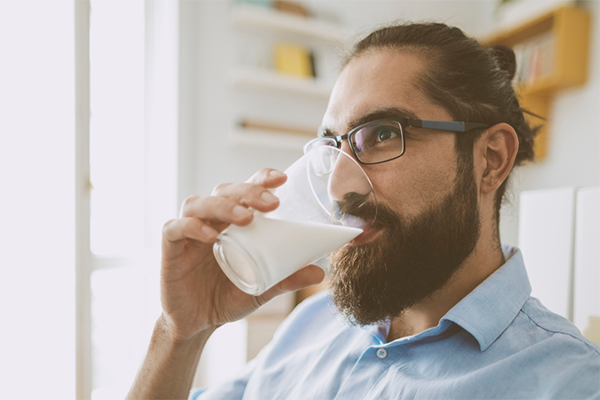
(346, 148)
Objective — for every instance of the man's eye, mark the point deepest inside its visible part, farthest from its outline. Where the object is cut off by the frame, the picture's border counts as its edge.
(385, 134)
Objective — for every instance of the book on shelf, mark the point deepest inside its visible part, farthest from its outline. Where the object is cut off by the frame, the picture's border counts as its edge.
(291, 7)
(293, 59)
(284, 6)
(535, 58)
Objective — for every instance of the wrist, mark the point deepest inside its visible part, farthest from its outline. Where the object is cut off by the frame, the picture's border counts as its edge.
(170, 364)
(168, 333)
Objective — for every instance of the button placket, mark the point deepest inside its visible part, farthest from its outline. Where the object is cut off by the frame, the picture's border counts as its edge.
(366, 371)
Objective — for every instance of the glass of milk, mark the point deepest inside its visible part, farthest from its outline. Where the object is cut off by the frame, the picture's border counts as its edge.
(319, 211)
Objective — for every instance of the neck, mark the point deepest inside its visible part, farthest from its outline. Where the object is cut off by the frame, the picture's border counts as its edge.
(486, 258)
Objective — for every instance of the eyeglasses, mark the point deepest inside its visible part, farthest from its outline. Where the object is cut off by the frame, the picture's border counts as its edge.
(383, 140)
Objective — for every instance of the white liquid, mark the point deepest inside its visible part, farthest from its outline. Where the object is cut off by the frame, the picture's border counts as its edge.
(278, 248)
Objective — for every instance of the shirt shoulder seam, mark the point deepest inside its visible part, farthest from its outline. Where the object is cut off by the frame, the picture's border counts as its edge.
(563, 333)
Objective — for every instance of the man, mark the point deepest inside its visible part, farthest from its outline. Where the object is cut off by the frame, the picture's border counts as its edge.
(426, 303)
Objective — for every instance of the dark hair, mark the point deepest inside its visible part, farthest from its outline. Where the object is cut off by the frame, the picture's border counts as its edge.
(471, 82)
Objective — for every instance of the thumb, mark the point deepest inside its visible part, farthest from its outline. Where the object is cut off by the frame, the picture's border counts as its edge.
(307, 276)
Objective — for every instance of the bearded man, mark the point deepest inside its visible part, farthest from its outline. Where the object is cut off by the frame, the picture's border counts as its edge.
(426, 303)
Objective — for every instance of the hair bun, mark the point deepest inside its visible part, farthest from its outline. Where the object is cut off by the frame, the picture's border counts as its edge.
(505, 57)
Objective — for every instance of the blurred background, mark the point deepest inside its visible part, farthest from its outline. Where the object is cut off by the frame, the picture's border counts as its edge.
(113, 112)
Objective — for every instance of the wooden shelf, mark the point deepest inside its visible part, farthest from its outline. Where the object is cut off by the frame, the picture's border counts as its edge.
(569, 27)
(266, 79)
(246, 15)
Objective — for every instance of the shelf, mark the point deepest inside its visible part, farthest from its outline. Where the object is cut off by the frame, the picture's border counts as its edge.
(543, 86)
(246, 15)
(257, 78)
(268, 139)
(308, 31)
(569, 28)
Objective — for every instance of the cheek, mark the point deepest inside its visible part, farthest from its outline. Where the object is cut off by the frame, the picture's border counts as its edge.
(409, 190)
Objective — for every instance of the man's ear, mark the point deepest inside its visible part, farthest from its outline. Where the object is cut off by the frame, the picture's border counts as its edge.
(498, 148)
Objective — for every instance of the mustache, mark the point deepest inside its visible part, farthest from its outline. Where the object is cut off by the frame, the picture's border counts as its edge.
(365, 208)
(358, 205)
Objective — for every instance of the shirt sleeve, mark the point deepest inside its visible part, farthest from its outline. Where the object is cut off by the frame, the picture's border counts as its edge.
(579, 376)
(291, 333)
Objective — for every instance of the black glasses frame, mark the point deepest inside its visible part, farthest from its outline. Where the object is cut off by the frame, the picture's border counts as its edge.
(452, 126)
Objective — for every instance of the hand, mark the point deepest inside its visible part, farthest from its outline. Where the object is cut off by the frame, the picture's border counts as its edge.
(196, 296)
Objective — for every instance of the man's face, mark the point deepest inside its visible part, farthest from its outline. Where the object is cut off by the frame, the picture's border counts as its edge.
(428, 219)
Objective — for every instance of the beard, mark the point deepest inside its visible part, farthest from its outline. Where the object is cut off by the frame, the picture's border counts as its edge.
(410, 260)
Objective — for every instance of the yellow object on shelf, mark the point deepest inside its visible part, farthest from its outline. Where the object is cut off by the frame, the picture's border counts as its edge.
(293, 59)
(552, 54)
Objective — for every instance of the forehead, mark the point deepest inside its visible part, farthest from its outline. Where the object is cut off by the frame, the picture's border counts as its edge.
(379, 80)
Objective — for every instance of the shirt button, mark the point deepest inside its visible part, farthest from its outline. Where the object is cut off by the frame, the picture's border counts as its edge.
(381, 353)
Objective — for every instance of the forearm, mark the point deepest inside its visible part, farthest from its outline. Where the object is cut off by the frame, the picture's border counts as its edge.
(169, 367)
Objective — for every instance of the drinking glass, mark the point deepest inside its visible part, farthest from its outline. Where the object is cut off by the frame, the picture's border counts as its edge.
(327, 201)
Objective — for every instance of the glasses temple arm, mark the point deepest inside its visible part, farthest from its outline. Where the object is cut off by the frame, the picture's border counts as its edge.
(454, 126)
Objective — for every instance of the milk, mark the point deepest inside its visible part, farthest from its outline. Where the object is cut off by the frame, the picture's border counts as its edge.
(277, 248)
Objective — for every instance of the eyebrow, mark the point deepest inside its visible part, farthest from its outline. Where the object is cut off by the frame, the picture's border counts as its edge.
(382, 113)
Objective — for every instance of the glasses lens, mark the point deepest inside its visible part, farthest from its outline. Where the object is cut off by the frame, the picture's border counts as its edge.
(378, 141)
(323, 159)
(319, 142)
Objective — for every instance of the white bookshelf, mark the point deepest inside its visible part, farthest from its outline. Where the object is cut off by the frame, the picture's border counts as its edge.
(324, 37)
(246, 15)
(254, 78)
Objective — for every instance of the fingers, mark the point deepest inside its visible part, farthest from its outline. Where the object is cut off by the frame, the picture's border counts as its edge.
(307, 276)
(216, 209)
(189, 228)
(203, 217)
(249, 195)
(253, 193)
(268, 178)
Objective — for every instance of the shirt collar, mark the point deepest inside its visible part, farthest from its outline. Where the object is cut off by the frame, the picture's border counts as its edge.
(490, 308)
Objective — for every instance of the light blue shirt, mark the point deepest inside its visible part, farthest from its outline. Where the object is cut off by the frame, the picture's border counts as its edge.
(496, 343)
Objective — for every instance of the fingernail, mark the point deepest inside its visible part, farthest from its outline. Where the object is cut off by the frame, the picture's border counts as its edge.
(268, 197)
(276, 174)
(240, 211)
